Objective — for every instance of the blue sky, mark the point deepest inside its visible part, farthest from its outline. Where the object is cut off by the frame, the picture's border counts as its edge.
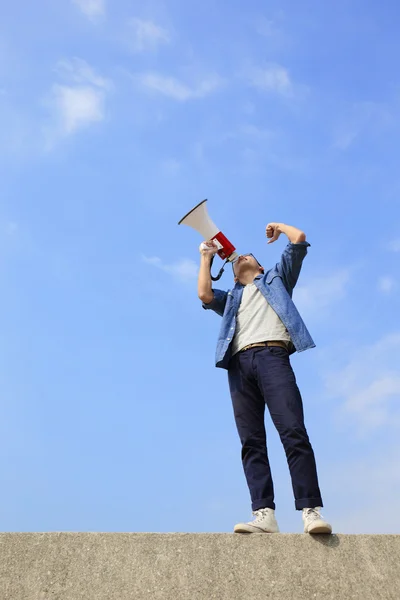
(117, 118)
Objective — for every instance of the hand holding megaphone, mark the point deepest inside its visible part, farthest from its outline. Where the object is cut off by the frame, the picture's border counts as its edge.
(208, 248)
(217, 243)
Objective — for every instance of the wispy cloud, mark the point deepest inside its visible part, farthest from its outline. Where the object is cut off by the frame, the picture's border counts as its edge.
(386, 284)
(320, 294)
(146, 35)
(183, 270)
(78, 103)
(369, 385)
(176, 89)
(345, 136)
(394, 245)
(274, 36)
(360, 118)
(272, 78)
(91, 8)
(79, 71)
(266, 27)
(77, 107)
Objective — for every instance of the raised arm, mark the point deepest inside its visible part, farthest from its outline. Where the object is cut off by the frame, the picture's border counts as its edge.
(212, 299)
(290, 264)
(204, 283)
(294, 235)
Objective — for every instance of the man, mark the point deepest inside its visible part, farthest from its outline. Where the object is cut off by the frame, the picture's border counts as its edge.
(260, 328)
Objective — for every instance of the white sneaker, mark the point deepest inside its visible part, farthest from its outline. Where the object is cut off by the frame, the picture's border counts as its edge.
(314, 522)
(264, 522)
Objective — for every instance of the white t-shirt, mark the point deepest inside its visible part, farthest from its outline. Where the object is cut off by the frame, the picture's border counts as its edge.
(256, 321)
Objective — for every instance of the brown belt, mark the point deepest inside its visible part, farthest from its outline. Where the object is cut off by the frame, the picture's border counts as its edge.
(264, 344)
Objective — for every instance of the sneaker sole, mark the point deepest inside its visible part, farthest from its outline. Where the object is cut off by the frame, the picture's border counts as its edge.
(322, 528)
(244, 528)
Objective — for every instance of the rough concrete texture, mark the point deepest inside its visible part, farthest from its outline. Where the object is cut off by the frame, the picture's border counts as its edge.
(122, 566)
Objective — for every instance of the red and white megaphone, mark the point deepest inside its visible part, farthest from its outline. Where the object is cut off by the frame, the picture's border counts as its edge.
(199, 220)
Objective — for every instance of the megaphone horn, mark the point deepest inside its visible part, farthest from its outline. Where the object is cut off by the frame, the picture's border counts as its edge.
(198, 218)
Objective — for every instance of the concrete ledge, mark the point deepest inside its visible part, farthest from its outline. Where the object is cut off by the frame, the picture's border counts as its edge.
(127, 566)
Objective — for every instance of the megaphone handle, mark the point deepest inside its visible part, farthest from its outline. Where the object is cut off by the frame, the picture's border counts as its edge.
(220, 271)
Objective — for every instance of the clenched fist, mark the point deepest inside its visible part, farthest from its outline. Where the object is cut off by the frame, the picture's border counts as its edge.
(208, 249)
(273, 232)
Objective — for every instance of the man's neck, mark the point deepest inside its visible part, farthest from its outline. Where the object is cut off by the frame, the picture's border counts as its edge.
(247, 278)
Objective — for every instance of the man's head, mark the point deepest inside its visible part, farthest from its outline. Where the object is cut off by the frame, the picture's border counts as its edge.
(246, 268)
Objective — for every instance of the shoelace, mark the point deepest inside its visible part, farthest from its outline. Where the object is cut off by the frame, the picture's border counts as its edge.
(260, 514)
(313, 514)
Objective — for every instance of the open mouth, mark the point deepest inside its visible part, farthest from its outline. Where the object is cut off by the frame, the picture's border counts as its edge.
(239, 259)
(243, 257)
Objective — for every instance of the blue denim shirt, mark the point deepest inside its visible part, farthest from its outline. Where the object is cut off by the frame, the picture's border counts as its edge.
(276, 285)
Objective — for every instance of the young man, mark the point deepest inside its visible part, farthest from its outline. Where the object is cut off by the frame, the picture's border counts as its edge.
(260, 328)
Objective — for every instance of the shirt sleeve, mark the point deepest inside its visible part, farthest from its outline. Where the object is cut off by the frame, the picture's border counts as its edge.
(290, 264)
(217, 304)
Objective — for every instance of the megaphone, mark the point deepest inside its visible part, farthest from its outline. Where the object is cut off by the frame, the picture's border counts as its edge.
(199, 219)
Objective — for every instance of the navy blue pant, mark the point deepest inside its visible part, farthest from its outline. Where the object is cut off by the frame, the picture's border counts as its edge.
(264, 376)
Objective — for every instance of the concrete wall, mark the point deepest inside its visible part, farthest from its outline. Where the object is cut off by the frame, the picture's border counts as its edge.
(122, 566)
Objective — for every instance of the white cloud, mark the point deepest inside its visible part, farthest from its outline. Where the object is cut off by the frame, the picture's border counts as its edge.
(394, 245)
(361, 117)
(272, 78)
(79, 71)
(184, 270)
(78, 103)
(369, 385)
(345, 136)
(173, 88)
(91, 8)
(147, 35)
(386, 284)
(320, 294)
(274, 36)
(77, 107)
